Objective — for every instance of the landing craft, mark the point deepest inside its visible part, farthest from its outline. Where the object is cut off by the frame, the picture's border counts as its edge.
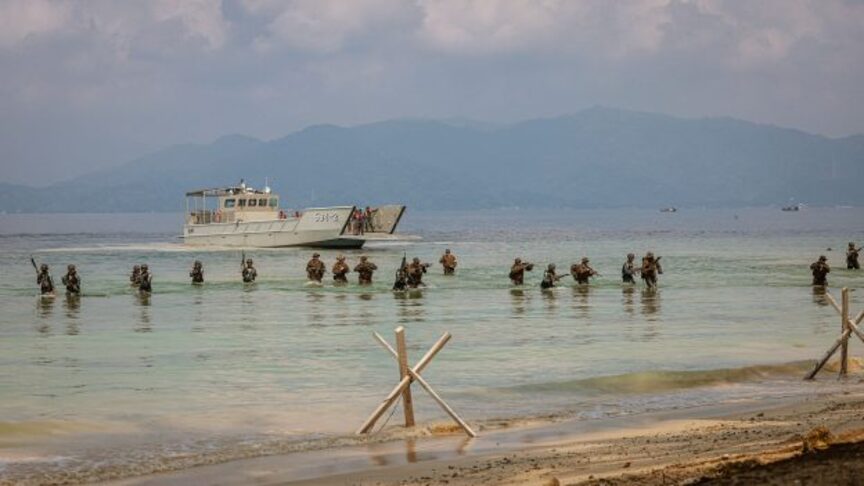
(245, 217)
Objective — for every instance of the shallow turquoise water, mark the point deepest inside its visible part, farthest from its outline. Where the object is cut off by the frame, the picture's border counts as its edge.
(115, 383)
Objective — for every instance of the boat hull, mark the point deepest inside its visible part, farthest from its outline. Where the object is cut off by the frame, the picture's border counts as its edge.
(318, 228)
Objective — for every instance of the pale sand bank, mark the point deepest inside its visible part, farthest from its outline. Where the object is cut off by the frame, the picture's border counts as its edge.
(659, 448)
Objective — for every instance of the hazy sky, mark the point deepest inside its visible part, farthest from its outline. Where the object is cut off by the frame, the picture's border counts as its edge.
(89, 84)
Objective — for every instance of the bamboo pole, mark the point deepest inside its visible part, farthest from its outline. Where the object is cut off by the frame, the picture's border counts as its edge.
(833, 302)
(426, 386)
(844, 318)
(828, 355)
(856, 331)
(394, 394)
(402, 358)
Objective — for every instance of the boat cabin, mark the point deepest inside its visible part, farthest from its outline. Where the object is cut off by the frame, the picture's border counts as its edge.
(232, 204)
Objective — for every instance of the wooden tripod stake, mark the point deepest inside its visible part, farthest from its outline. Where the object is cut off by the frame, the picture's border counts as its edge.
(848, 326)
(408, 376)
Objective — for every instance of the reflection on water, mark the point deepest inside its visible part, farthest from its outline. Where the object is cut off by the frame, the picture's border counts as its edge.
(581, 305)
(519, 301)
(315, 305)
(627, 294)
(650, 304)
(819, 297)
(142, 300)
(410, 306)
(72, 305)
(44, 306)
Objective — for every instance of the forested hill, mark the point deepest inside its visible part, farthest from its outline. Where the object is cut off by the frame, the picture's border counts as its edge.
(595, 158)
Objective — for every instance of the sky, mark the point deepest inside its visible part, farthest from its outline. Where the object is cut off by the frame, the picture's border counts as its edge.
(90, 84)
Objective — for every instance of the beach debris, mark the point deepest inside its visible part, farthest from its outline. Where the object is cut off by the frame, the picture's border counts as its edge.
(819, 438)
(848, 326)
(408, 377)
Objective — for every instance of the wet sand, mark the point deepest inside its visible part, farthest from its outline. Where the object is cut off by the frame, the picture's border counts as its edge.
(772, 441)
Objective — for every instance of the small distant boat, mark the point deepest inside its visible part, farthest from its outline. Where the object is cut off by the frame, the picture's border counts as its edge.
(796, 207)
(670, 209)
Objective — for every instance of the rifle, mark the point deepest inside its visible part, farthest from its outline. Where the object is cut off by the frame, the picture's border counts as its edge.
(399, 282)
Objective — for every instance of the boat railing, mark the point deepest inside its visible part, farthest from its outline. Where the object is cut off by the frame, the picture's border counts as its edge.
(208, 216)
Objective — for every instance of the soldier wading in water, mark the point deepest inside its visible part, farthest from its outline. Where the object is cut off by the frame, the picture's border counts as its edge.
(852, 257)
(248, 272)
(340, 270)
(582, 272)
(517, 271)
(197, 273)
(72, 281)
(315, 269)
(820, 271)
(415, 272)
(44, 280)
(135, 276)
(651, 269)
(629, 270)
(550, 279)
(145, 280)
(448, 261)
(364, 270)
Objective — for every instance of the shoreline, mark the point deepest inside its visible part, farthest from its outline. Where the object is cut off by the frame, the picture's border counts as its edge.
(682, 443)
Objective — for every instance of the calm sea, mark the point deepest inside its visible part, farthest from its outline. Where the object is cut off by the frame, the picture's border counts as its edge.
(112, 385)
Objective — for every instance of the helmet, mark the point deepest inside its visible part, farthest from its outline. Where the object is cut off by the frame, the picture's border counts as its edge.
(197, 263)
(518, 260)
(551, 266)
(822, 258)
(585, 260)
(416, 260)
(650, 254)
(630, 256)
(70, 267)
(144, 267)
(248, 261)
(851, 244)
(136, 267)
(43, 267)
(363, 258)
(447, 251)
(315, 255)
(340, 257)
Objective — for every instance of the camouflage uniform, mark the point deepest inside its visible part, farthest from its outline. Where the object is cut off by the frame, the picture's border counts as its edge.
(145, 280)
(315, 269)
(628, 270)
(415, 273)
(71, 280)
(364, 270)
(852, 257)
(582, 272)
(43, 278)
(651, 269)
(340, 270)
(448, 261)
(197, 273)
(517, 271)
(248, 272)
(820, 271)
(135, 276)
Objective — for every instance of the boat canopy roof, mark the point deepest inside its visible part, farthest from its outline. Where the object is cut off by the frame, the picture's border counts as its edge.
(226, 191)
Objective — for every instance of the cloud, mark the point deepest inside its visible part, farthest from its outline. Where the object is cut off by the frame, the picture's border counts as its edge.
(325, 26)
(22, 19)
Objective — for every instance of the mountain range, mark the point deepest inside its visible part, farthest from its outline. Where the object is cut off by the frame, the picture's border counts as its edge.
(598, 157)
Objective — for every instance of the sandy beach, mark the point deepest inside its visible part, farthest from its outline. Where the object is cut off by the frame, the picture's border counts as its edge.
(816, 439)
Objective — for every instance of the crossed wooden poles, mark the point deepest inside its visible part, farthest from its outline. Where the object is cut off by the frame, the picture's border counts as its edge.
(848, 326)
(410, 375)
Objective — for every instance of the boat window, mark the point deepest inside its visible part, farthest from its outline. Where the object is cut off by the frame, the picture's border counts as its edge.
(253, 202)
(241, 203)
(262, 202)
(274, 202)
(229, 203)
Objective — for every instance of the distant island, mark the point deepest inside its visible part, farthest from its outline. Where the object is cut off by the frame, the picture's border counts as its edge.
(598, 157)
